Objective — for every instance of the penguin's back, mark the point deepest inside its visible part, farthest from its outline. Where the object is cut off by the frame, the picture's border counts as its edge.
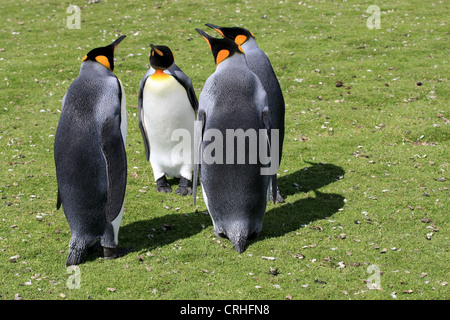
(235, 94)
(260, 64)
(80, 164)
(93, 96)
(233, 100)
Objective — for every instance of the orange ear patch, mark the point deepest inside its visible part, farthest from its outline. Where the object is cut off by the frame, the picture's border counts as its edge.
(84, 59)
(104, 61)
(240, 39)
(222, 55)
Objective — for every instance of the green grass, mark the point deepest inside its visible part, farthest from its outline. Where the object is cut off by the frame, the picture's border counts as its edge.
(363, 164)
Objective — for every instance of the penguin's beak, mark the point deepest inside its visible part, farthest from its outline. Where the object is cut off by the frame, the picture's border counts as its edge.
(159, 52)
(205, 36)
(217, 28)
(119, 40)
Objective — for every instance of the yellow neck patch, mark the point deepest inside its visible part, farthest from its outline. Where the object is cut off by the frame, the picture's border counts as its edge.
(222, 55)
(159, 75)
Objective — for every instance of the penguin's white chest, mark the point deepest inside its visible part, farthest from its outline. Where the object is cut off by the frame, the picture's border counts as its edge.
(167, 115)
(166, 107)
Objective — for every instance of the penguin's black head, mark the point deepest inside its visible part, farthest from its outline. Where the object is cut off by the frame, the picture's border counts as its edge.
(237, 34)
(221, 48)
(104, 55)
(161, 57)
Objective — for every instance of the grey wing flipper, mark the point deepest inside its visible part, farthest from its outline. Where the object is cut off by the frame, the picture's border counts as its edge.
(186, 82)
(116, 166)
(141, 112)
(58, 201)
(58, 197)
(198, 138)
(268, 126)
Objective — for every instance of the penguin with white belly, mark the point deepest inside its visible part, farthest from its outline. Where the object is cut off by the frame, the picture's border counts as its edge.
(167, 107)
(90, 156)
(260, 64)
(232, 100)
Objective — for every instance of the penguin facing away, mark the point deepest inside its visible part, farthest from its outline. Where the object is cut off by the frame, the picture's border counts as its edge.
(232, 98)
(167, 106)
(90, 156)
(260, 64)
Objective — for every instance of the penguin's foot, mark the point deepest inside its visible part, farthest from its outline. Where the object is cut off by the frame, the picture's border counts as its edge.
(110, 253)
(279, 198)
(184, 188)
(184, 191)
(74, 257)
(162, 185)
(114, 253)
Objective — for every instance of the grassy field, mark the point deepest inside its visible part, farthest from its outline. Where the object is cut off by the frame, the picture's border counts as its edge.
(365, 172)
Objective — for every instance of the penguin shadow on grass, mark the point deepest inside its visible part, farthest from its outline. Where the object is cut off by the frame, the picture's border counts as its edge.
(154, 232)
(283, 218)
(288, 217)
(163, 230)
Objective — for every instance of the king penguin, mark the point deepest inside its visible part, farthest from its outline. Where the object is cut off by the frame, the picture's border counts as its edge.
(232, 99)
(167, 106)
(90, 157)
(260, 64)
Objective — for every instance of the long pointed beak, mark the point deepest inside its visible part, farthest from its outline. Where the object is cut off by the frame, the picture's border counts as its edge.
(206, 36)
(119, 40)
(203, 33)
(159, 52)
(217, 28)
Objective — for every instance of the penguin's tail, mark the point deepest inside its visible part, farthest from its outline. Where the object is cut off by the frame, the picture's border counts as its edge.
(238, 243)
